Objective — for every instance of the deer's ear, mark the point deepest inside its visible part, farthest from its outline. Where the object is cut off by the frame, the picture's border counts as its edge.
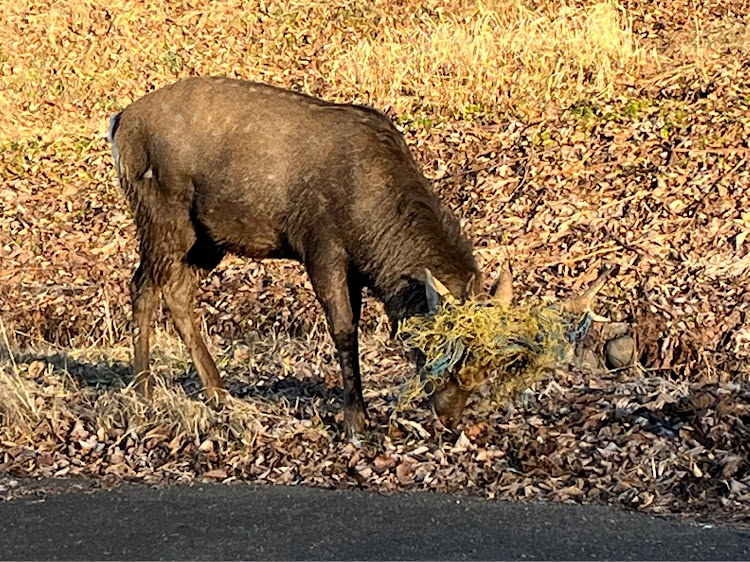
(502, 289)
(435, 292)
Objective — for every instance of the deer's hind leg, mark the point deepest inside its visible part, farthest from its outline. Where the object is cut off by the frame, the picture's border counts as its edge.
(174, 257)
(143, 295)
(179, 294)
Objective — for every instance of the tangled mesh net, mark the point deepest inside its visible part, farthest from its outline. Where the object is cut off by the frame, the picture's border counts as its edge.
(509, 347)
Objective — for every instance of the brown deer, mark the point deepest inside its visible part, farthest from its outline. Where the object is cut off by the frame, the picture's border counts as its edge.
(215, 165)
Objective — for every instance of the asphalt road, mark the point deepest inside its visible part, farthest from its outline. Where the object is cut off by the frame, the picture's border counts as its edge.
(211, 522)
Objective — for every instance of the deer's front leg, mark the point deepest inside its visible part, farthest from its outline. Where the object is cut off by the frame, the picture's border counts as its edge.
(331, 282)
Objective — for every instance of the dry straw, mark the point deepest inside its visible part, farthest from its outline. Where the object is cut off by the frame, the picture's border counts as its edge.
(508, 347)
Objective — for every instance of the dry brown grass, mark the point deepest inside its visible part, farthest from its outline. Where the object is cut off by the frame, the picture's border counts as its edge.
(38, 399)
(503, 57)
(65, 66)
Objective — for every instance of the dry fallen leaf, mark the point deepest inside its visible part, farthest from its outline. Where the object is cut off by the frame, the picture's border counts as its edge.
(405, 473)
(216, 474)
(384, 462)
(463, 443)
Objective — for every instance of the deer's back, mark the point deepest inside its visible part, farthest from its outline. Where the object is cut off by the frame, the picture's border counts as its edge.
(268, 172)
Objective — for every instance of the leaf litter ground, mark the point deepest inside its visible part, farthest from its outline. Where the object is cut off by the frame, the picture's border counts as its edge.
(652, 177)
(641, 442)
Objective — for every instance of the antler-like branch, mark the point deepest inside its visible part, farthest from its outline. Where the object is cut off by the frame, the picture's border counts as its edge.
(585, 301)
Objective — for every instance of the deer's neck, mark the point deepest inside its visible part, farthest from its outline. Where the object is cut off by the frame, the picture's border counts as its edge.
(408, 297)
(418, 233)
(405, 302)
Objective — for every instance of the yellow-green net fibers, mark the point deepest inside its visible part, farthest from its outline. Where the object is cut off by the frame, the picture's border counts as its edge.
(508, 347)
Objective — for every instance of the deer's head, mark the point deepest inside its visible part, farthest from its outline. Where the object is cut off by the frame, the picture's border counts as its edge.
(450, 398)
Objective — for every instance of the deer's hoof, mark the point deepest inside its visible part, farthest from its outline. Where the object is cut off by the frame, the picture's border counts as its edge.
(218, 396)
(143, 385)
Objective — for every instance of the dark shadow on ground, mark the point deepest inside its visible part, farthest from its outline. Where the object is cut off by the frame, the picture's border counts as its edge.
(300, 394)
(103, 374)
(289, 387)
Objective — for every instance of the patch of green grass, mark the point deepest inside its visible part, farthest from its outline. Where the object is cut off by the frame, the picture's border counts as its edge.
(424, 122)
(173, 62)
(545, 138)
(584, 109)
(633, 108)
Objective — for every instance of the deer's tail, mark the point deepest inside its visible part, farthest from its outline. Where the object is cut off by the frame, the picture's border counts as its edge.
(114, 123)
